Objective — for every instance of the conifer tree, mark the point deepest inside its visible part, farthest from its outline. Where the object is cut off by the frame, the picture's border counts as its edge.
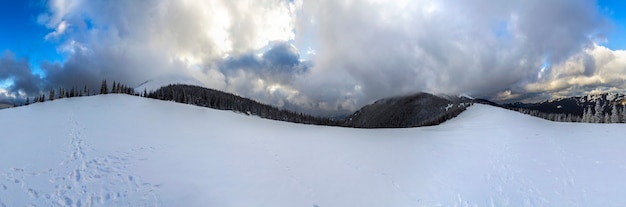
(51, 95)
(614, 115)
(27, 101)
(623, 114)
(104, 89)
(598, 116)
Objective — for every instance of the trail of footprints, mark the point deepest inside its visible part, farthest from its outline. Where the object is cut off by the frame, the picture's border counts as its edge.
(83, 180)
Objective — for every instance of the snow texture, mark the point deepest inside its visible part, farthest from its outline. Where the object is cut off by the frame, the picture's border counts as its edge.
(119, 150)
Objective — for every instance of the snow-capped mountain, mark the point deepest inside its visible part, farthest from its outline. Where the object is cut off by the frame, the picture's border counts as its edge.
(120, 150)
(575, 105)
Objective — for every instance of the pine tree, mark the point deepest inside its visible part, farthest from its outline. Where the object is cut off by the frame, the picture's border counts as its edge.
(623, 114)
(27, 101)
(586, 115)
(614, 115)
(43, 98)
(86, 90)
(51, 95)
(104, 89)
(598, 116)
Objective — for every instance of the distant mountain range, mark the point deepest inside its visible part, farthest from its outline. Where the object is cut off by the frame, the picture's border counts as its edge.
(421, 109)
(574, 105)
(4, 106)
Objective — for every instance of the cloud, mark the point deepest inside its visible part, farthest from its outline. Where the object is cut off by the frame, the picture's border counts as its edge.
(328, 56)
(60, 29)
(372, 49)
(597, 68)
(19, 72)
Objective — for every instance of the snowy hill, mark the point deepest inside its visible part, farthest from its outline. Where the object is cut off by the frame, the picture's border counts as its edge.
(118, 150)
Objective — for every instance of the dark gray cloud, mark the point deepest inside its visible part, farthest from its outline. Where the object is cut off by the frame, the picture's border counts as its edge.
(19, 71)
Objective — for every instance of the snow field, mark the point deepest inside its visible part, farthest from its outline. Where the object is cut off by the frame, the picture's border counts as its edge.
(129, 151)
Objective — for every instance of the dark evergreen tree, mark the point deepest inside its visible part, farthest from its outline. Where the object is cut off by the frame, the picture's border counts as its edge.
(27, 101)
(104, 89)
(51, 95)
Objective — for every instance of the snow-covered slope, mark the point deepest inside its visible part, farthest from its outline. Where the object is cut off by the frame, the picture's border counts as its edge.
(118, 150)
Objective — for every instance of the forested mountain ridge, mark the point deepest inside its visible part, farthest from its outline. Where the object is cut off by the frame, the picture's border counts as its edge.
(421, 109)
(210, 98)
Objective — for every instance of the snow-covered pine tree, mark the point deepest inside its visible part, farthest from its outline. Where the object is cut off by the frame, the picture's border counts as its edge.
(587, 115)
(614, 115)
(623, 114)
(607, 118)
(598, 117)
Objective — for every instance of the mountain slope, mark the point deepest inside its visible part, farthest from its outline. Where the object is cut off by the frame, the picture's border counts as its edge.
(162, 81)
(574, 105)
(119, 150)
(421, 109)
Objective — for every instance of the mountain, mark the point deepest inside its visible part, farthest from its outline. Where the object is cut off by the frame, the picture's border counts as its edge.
(161, 81)
(421, 109)
(215, 99)
(121, 150)
(574, 105)
(4, 106)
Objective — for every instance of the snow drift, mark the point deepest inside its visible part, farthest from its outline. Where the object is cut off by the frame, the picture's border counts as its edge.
(122, 150)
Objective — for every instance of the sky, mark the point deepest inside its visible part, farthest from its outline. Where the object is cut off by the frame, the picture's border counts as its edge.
(323, 57)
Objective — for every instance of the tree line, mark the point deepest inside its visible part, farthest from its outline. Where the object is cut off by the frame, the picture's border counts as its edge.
(53, 94)
(210, 98)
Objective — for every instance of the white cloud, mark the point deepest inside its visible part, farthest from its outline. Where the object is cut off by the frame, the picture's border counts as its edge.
(60, 29)
(594, 69)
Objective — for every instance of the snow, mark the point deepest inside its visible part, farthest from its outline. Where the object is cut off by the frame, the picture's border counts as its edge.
(118, 150)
